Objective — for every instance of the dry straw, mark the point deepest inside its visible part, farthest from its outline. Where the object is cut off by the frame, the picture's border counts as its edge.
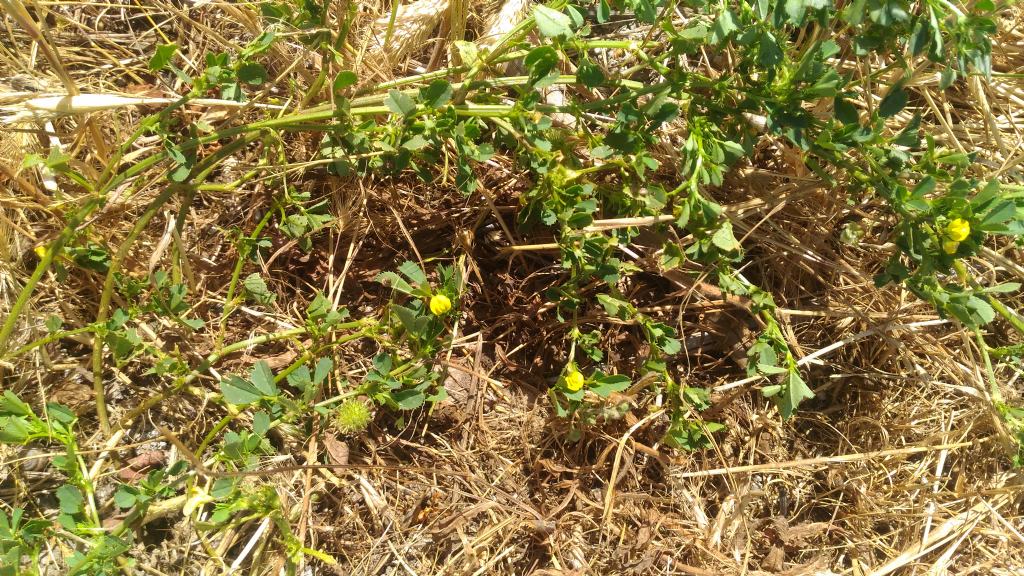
(395, 36)
(893, 473)
(502, 22)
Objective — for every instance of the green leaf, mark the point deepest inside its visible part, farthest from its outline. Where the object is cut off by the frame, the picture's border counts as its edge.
(770, 53)
(252, 73)
(260, 423)
(947, 77)
(395, 282)
(322, 370)
(437, 94)
(15, 430)
(893, 102)
(762, 357)
(322, 310)
(409, 399)
(343, 80)
(724, 26)
(552, 23)
(699, 398)
(541, 62)
(793, 391)
(1001, 212)
(670, 346)
(724, 238)
(671, 256)
(771, 369)
(615, 307)
(415, 143)
(257, 289)
(413, 272)
(193, 323)
(300, 378)
(825, 87)
(400, 103)
(179, 174)
(11, 405)
(604, 385)
(795, 10)
(239, 391)
(67, 522)
(162, 56)
(260, 45)
(70, 498)
(980, 311)
(1004, 288)
(263, 379)
(124, 497)
(60, 413)
(589, 74)
(919, 37)
(412, 321)
(469, 53)
(53, 323)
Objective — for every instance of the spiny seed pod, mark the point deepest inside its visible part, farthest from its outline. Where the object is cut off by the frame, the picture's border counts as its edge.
(352, 416)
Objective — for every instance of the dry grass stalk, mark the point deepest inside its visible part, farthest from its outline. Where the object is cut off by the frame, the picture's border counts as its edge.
(888, 474)
(47, 107)
(412, 26)
(511, 13)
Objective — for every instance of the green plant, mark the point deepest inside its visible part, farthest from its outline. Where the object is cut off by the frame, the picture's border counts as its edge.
(597, 181)
(352, 416)
(20, 539)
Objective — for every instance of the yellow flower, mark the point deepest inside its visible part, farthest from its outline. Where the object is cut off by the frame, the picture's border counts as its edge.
(574, 380)
(439, 304)
(958, 230)
(197, 497)
(950, 246)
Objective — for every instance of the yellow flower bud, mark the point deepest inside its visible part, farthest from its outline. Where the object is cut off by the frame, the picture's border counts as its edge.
(574, 380)
(197, 497)
(950, 246)
(958, 230)
(439, 304)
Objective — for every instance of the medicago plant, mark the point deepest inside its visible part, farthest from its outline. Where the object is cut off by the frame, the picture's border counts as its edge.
(621, 144)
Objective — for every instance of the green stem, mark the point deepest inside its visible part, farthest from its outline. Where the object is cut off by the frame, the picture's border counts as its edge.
(203, 169)
(107, 294)
(997, 396)
(44, 264)
(51, 338)
(1013, 318)
(71, 228)
(305, 357)
(217, 429)
(206, 364)
(235, 274)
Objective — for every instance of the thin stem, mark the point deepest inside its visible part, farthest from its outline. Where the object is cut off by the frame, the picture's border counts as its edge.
(107, 294)
(236, 273)
(997, 395)
(1009, 315)
(50, 338)
(205, 365)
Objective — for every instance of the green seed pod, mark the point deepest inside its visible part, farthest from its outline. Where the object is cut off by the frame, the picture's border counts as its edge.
(352, 416)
